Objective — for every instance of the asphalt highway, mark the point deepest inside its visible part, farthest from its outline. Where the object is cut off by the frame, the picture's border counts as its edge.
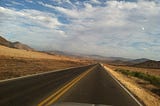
(98, 87)
(29, 91)
(90, 84)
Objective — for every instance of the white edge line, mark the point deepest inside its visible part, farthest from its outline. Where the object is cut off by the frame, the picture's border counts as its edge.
(37, 74)
(123, 87)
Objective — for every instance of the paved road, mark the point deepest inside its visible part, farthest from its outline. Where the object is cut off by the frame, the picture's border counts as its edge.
(98, 87)
(31, 90)
(94, 86)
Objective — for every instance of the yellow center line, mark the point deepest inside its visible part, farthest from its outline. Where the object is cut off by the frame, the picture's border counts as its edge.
(54, 97)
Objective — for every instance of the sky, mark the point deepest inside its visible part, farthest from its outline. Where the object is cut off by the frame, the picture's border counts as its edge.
(119, 28)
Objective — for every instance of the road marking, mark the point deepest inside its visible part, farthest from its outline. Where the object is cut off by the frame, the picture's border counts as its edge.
(54, 97)
(106, 68)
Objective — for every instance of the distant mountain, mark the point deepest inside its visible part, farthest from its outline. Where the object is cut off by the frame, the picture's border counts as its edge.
(56, 52)
(117, 62)
(142, 62)
(136, 61)
(148, 64)
(119, 59)
(86, 56)
(98, 57)
(16, 45)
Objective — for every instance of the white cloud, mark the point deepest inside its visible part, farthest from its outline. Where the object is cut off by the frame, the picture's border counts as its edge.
(45, 5)
(45, 19)
(32, 27)
(113, 28)
(62, 1)
(95, 1)
(72, 13)
(29, 1)
(16, 3)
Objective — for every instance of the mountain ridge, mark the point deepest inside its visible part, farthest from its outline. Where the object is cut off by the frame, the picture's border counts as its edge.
(16, 45)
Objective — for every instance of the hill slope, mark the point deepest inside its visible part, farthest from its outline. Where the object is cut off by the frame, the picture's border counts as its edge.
(4, 42)
(136, 61)
(148, 64)
(16, 62)
(16, 45)
(12, 52)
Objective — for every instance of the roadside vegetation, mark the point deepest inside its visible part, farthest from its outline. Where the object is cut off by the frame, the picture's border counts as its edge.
(155, 80)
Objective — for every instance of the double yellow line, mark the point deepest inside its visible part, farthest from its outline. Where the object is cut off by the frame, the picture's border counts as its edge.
(54, 97)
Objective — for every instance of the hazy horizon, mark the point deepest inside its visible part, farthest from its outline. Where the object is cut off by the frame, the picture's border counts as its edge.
(119, 28)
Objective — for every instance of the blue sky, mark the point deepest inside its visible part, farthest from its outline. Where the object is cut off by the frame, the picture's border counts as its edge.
(121, 28)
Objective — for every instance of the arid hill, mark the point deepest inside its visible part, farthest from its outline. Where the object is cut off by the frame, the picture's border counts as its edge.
(18, 62)
(128, 63)
(148, 64)
(136, 61)
(4, 42)
(16, 45)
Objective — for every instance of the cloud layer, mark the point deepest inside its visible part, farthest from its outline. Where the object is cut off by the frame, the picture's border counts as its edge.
(110, 28)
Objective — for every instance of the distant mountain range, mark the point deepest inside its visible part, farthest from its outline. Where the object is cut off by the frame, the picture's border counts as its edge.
(142, 62)
(107, 58)
(16, 45)
(128, 61)
(137, 61)
(93, 57)
(118, 60)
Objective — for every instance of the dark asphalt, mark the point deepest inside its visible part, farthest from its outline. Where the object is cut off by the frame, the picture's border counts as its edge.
(31, 90)
(98, 87)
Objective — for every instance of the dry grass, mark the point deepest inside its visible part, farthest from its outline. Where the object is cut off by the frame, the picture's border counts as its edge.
(155, 72)
(15, 67)
(148, 98)
(11, 52)
(15, 62)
